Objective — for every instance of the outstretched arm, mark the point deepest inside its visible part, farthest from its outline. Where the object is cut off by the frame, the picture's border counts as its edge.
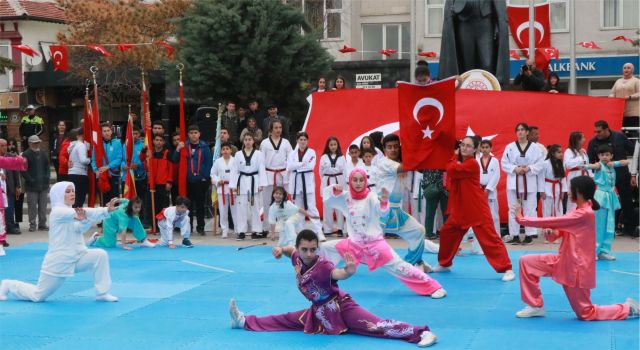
(278, 251)
(348, 270)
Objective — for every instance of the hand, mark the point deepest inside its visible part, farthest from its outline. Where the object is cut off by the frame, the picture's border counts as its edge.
(168, 186)
(259, 188)
(180, 146)
(103, 168)
(543, 195)
(277, 252)
(134, 166)
(384, 195)
(634, 181)
(611, 164)
(337, 189)
(518, 210)
(526, 169)
(553, 91)
(111, 206)
(220, 182)
(81, 214)
(349, 264)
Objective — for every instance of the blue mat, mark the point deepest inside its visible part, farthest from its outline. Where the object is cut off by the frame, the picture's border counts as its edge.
(178, 299)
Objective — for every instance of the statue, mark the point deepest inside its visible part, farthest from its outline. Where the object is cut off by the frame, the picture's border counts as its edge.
(475, 35)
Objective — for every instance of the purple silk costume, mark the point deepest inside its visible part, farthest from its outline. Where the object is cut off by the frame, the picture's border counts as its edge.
(332, 310)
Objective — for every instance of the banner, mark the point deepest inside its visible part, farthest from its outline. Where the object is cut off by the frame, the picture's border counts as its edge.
(353, 113)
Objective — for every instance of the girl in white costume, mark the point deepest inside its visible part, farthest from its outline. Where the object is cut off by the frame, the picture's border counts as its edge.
(248, 178)
(555, 183)
(67, 253)
(285, 212)
(332, 173)
(574, 159)
(275, 150)
(220, 177)
(302, 185)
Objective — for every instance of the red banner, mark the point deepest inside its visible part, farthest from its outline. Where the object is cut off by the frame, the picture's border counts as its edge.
(352, 113)
(148, 137)
(87, 130)
(129, 191)
(427, 124)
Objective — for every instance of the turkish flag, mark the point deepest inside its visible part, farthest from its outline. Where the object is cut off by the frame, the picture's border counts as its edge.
(129, 191)
(347, 49)
(624, 38)
(491, 114)
(427, 116)
(26, 49)
(519, 25)
(125, 47)
(589, 45)
(87, 130)
(99, 49)
(167, 47)
(427, 54)
(60, 56)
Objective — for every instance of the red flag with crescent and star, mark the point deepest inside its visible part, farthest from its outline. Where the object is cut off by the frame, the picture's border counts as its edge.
(427, 115)
(519, 26)
(60, 57)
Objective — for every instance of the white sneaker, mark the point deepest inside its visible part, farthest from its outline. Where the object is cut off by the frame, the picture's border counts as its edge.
(427, 339)
(237, 317)
(508, 276)
(148, 244)
(106, 297)
(425, 267)
(439, 268)
(605, 256)
(529, 311)
(438, 294)
(476, 252)
(2, 253)
(4, 290)
(92, 238)
(634, 308)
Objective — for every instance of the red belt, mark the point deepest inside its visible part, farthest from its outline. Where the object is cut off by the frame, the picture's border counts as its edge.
(276, 172)
(553, 190)
(580, 169)
(224, 199)
(329, 176)
(524, 181)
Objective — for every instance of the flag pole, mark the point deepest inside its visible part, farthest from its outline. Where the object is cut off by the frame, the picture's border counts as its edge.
(532, 30)
(412, 42)
(572, 47)
(149, 139)
(96, 117)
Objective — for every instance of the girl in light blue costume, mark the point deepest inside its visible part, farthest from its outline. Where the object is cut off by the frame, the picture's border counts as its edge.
(119, 221)
(605, 178)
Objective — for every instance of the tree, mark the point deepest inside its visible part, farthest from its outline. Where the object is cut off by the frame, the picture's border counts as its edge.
(116, 22)
(249, 48)
(6, 64)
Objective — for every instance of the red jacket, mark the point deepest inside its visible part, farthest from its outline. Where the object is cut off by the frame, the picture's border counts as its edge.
(468, 205)
(63, 158)
(162, 167)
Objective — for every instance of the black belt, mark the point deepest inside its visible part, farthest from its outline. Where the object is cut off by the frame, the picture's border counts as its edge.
(304, 187)
(253, 182)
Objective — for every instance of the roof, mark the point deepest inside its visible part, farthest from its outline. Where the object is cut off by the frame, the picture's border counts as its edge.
(35, 10)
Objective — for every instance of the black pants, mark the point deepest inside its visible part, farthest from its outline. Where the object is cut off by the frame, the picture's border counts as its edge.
(142, 190)
(625, 216)
(81, 183)
(161, 199)
(197, 192)
(19, 205)
(114, 192)
(9, 213)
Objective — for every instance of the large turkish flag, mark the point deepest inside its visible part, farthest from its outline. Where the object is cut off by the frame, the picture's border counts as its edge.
(352, 113)
(427, 116)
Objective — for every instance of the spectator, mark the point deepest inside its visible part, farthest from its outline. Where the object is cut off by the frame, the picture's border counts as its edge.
(158, 128)
(252, 128)
(553, 84)
(12, 180)
(36, 183)
(256, 112)
(242, 119)
(55, 141)
(139, 171)
(635, 165)
(111, 161)
(622, 148)
(224, 138)
(530, 78)
(628, 87)
(534, 136)
(272, 114)
(162, 172)
(63, 159)
(12, 151)
(231, 123)
(339, 83)
(78, 166)
(322, 85)
(31, 124)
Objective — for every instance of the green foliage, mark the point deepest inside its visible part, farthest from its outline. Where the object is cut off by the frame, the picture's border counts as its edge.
(6, 64)
(250, 48)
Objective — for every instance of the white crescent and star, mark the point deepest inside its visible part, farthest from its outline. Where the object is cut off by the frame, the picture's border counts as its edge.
(525, 25)
(423, 102)
(55, 55)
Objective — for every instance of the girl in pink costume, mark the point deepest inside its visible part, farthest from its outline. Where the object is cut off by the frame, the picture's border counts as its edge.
(362, 211)
(332, 311)
(574, 265)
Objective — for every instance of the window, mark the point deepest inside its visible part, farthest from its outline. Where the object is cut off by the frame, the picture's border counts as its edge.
(620, 13)
(5, 79)
(323, 15)
(434, 15)
(558, 12)
(393, 36)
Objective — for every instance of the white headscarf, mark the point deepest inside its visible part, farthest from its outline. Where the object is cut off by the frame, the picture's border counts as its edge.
(56, 193)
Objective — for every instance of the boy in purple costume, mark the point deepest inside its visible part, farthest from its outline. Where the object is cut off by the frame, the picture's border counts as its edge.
(332, 311)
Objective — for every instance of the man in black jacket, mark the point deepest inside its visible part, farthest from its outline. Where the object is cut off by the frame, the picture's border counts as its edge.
(622, 148)
(36, 183)
(530, 77)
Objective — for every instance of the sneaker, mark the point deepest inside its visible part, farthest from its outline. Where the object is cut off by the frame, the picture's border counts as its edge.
(527, 240)
(634, 308)
(439, 294)
(339, 233)
(4, 290)
(43, 228)
(529, 311)
(240, 236)
(476, 252)
(5, 244)
(427, 339)
(425, 267)
(187, 243)
(2, 253)
(606, 256)
(264, 234)
(254, 235)
(439, 268)
(508, 276)
(200, 231)
(512, 240)
(92, 239)
(148, 244)
(107, 297)
(15, 231)
(32, 229)
(237, 316)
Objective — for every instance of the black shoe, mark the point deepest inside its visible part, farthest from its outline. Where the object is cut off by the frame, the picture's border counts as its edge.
(187, 243)
(14, 232)
(240, 236)
(254, 235)
(5, 244)
(32, 229)
(264, 234)
(200, 231)
(340, 233)
(515, 240)
(432, 236)
(43, 228)
(527, 240)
